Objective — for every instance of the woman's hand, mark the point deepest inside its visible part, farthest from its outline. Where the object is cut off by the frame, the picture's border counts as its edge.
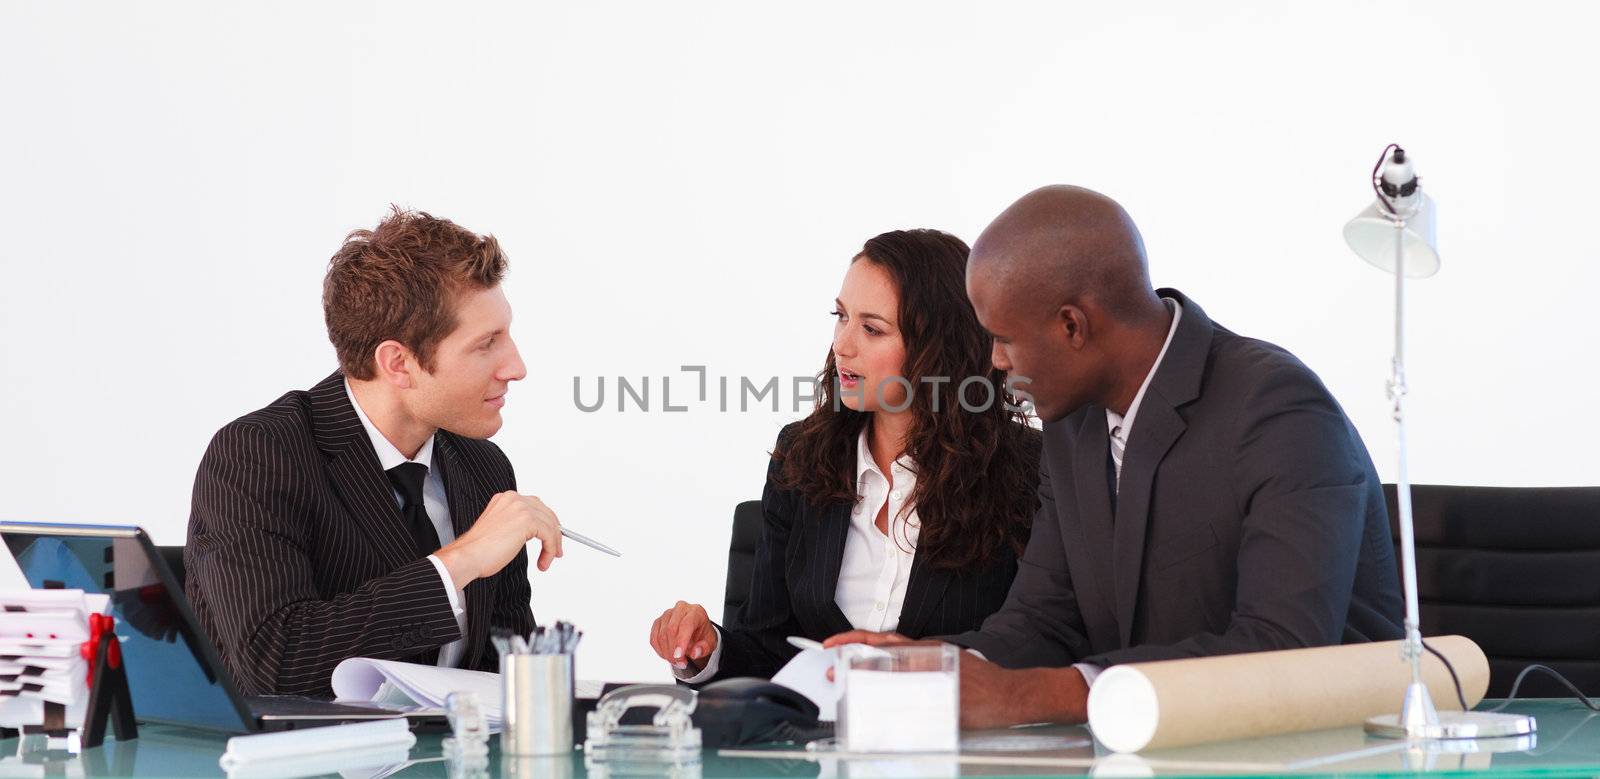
(869, 638)
(683, 636)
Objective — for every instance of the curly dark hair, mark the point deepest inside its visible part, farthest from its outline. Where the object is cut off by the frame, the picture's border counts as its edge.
(976, 462)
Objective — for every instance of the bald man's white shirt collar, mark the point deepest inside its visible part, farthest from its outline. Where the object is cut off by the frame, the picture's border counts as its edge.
(1120, 426)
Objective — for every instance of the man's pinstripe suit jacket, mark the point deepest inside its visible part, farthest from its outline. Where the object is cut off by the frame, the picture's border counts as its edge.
(298, 556)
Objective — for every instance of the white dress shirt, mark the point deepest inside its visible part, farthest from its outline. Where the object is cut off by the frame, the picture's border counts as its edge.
(438, 508)
(876, 567)
(875, 570)
(1120, 426)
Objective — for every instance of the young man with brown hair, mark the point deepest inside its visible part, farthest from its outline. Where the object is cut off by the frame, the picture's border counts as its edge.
(368, 516)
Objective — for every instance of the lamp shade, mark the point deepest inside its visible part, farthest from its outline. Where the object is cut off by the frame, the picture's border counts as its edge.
(1371, 235)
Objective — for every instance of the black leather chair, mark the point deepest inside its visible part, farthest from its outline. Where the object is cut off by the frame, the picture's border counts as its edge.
(173, 555)
(1518, 571)
(747, 521)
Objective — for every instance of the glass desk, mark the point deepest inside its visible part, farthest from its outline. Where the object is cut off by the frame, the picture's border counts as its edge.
(1568, 744)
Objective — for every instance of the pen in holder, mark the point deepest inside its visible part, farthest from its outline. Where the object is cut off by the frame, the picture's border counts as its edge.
(537, 682)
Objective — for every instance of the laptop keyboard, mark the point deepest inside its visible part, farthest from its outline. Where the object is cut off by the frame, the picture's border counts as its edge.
(292, 706)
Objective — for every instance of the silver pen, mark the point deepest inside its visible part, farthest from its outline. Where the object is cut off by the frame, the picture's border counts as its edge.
(589, 542)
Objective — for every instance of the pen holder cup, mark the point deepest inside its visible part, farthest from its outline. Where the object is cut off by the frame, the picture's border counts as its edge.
(538, 692)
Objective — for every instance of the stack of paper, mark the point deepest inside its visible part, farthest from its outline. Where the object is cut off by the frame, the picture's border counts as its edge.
(393, 683)
(43, 668)
(410, 685)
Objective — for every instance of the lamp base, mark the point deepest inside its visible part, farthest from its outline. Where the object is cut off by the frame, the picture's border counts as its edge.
(1455, 725)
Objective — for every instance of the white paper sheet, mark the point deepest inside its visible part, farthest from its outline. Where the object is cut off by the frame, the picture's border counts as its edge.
(41, 636)
(55, 664)
(39, 648)
(362, 678)
(16, 710)
(807, 674)
(409, 684)
(46, 625)
(77, 601)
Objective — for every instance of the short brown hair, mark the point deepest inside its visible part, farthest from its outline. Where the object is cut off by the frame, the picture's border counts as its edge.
(399, 281)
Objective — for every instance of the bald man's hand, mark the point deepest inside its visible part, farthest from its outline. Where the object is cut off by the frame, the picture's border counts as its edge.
(995, 697)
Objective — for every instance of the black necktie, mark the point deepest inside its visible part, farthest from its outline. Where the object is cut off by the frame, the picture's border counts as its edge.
(407, 478)
(1111, 482)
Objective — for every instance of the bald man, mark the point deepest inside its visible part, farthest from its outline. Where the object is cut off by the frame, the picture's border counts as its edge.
(1201, 492)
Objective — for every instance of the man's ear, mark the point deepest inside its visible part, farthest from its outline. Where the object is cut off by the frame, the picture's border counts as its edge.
(1073, 325)
(394, 363)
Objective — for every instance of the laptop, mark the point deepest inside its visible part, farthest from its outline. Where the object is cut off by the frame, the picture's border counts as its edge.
(174, 672)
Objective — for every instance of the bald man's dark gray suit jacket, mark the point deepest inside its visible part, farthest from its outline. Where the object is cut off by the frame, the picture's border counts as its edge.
(1249, 518)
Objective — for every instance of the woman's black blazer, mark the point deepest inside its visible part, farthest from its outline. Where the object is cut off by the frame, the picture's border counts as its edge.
(796, 575)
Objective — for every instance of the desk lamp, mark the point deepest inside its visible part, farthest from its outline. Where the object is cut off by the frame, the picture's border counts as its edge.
(1396, 234)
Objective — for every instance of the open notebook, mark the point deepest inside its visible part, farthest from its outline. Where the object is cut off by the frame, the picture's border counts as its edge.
(393, 683)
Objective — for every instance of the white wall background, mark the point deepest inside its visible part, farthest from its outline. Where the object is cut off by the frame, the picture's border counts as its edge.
(683, 183)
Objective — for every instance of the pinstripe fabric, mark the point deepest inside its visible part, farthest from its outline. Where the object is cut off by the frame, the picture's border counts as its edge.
(298, 556)
(796, 577)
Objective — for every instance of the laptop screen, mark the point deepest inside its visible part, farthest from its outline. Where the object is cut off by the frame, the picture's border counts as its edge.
(173, 671)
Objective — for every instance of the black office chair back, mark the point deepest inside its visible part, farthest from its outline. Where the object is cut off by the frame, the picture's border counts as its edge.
(1514, 569)
(747, 519)
(173, 555)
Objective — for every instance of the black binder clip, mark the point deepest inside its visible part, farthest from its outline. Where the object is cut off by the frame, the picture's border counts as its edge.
(109, 697)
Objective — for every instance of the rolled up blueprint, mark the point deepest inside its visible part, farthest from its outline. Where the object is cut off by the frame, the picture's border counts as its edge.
(1198, 700)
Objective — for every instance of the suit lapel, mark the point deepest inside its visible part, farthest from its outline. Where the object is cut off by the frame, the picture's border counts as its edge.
(1157, 426)
(924, 591)
(1155, 430)
(833, 529)
(467, 494)
(356, 475)
(1089, 528)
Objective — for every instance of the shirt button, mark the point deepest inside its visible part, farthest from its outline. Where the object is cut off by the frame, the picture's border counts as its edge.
(879, 605)
(898, 494)
(857, 512)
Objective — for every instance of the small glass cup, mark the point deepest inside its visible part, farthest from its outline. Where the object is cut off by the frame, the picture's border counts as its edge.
(900, 698)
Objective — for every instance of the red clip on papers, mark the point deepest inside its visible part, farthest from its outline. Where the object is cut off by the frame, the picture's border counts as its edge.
(99, 625)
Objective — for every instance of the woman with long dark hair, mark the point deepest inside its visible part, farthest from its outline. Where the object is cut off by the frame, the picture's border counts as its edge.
(902, 501)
